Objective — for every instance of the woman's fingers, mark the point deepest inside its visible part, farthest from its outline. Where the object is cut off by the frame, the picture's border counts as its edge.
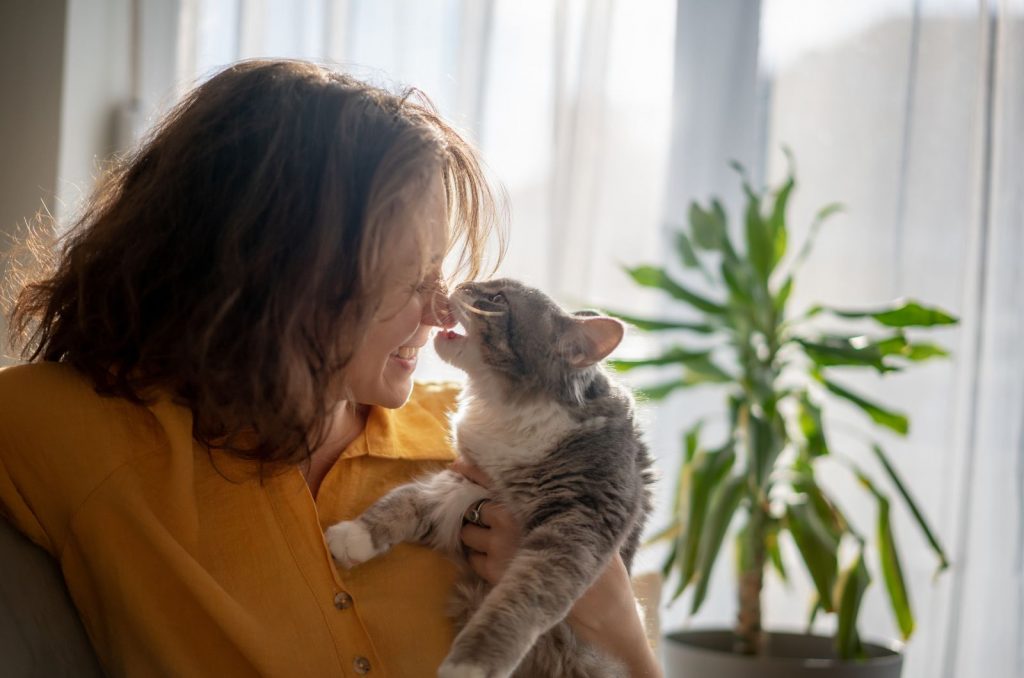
(491, 548)
(477, 538)
(499, 532)
(479, 563)
(494, 515)
(471, 471)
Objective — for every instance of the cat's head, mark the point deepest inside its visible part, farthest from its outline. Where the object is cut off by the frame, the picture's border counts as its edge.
(518, 336)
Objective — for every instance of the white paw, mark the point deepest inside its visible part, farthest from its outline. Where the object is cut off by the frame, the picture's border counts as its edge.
(350, 543)
(449, 670)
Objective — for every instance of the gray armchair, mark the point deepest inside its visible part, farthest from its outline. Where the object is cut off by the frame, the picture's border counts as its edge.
(40, 632)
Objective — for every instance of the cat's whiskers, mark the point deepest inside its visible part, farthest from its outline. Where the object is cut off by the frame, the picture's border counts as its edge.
(469, 308)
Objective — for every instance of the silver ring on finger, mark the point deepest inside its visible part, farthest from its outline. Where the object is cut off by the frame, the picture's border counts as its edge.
(473, 513)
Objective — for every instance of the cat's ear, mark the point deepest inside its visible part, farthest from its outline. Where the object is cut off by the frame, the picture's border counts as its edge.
(591, 338)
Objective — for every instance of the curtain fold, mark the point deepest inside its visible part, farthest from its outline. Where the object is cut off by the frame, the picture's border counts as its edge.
(984, 616)
(909, 113)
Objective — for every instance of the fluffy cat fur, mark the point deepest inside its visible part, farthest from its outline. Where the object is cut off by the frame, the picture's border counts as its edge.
(557, 436)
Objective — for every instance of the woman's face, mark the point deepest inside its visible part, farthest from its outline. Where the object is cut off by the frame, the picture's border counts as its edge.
(381, 369)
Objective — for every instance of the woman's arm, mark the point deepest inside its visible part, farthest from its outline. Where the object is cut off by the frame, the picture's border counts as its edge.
(605, 615)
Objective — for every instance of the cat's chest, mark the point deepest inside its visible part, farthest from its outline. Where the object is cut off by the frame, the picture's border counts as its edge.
(495, 436)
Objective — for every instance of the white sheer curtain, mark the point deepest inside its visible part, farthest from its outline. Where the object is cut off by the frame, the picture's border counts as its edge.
(568, 100)
(911, 113)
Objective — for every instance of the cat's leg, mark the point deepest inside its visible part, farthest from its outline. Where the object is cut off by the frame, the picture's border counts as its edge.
(401, 515)
(554, 565)
(426, 511)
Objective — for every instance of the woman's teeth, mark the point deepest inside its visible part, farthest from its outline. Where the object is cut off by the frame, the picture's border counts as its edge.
(407, 352)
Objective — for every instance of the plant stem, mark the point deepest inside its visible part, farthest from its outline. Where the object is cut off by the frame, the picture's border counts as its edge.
(763, 441)
(748, 620)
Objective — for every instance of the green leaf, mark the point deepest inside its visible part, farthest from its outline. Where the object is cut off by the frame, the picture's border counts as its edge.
(691, 441)
(817, 548)
(684, 480)
(827, 211)
(782, 296)
(777, 221)
(670, 561)
(813, 614)
(703, 370)
(887, 418)
(709, 228)
(832, 351)
(809, 418)
(892, 572)
(700, 369)
(709, 468)
(826, 511)
(719, 213)
(738, 407)
(739, 281)
(696, 373)
(898, 346)
(661, 391)
(726, 501)
(852, 585)
(765, 444)
(685, 249)
(819, 219)
(760, 248)
(672, 531)
(652, 276)
(651, 325)
(900, 314)
(912, 507)
(674, 355)
(771, 544)
(924, 351)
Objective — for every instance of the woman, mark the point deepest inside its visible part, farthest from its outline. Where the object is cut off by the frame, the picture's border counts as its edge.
(220, 365)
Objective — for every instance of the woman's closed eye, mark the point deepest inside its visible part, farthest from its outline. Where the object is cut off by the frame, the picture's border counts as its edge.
(430, 284)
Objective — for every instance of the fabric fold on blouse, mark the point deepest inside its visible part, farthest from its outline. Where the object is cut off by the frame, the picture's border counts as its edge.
(181, 561)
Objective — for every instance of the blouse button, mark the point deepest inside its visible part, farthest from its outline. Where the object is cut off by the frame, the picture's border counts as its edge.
(361, 665)
(342, 601)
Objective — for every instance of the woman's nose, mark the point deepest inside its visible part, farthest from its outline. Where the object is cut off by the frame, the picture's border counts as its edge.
(437, 311)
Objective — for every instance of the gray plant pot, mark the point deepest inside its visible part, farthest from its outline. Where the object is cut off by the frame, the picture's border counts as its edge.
(695, 654)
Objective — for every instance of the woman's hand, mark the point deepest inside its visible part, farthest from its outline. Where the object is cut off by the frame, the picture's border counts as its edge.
(492, 547)
(604, 616)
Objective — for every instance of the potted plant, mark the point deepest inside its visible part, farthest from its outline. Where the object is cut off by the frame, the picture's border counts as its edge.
(778, 372)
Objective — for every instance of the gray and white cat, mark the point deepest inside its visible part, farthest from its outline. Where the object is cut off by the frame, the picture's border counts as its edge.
(558, 438)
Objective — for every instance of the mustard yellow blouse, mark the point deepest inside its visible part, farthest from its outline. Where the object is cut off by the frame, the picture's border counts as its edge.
(181, 563)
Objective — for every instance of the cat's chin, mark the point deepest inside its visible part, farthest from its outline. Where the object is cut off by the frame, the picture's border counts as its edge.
(450, 346)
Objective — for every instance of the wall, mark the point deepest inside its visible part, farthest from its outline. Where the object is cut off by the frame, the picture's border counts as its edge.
(31, 70)
(72, 98)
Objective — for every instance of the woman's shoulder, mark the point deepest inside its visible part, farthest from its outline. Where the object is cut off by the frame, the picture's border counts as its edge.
(48, 395)
(436, 397)
(55, 429)
(59, 441)
(33, 376)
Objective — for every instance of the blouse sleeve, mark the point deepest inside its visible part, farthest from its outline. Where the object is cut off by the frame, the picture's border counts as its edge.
(57, 444)
(16, 510)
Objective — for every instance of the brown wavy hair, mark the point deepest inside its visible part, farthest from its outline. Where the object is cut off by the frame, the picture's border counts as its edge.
(235, 257)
